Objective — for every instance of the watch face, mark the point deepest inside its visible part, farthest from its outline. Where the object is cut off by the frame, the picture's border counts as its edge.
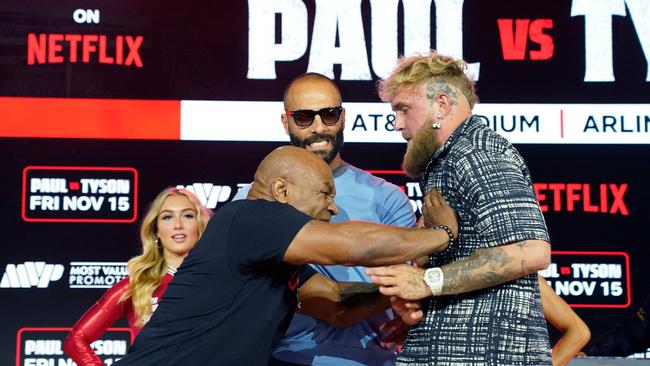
(433, 275)
(433, 278)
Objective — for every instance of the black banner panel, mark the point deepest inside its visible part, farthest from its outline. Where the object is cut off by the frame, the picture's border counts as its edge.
(44, 346)
(79, 194)
(105, 104)
(591, 279)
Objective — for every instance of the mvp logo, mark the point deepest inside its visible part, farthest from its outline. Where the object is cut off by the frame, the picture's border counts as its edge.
(209, 194)
(30, 274)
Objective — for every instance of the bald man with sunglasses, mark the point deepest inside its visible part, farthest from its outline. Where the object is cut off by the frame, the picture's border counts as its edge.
(314, 120)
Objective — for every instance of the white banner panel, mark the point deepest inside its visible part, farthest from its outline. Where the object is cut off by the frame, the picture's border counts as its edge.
(373, 122)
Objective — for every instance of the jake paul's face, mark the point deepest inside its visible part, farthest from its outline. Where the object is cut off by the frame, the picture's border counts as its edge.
(412, 111)
(414, 115)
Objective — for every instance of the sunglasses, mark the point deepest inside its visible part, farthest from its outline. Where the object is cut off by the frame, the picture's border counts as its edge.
(305, 117)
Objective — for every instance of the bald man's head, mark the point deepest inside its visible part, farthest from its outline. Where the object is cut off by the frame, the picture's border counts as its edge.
(321, 134)
(308, 81)
(296, 177)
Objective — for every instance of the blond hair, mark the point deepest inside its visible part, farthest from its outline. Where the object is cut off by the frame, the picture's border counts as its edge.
(418, 70)
(147, 269)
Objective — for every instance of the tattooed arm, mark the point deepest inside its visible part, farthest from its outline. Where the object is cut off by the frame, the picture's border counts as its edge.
(486, 267)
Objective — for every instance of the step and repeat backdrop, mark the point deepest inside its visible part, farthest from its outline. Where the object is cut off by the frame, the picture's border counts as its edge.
(104, 104)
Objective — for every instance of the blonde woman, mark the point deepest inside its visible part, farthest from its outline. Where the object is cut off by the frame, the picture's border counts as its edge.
(575, 333)
(170, 228)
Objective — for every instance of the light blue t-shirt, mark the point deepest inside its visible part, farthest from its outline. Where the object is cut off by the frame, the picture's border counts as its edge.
(364, 197)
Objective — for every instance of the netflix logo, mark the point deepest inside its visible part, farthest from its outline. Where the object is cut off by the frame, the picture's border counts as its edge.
(84, 48)
(601, 198)
(57, 48)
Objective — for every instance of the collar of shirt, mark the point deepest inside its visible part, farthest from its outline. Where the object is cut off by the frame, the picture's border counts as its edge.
(171, 270)
(340, 169)
(446, 146)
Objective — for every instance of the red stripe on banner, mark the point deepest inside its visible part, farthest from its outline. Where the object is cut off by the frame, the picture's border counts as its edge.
(90, 118)
(397, 172)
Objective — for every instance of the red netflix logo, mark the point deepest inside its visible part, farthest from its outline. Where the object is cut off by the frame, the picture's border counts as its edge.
(48, 48)
(514, 42)
(602, 198)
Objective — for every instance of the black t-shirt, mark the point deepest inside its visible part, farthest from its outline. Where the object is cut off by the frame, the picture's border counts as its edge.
(232, 294)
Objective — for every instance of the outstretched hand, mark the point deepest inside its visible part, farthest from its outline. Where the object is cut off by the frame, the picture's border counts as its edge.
(436, 211)
(400, 280)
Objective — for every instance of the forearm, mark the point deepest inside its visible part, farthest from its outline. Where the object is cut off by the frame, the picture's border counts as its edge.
(87, 330)
(488, 267)
(362, 243)
(353, 311)
(358, 302)
(575, 333)
(93, 324)
(570, 344)
(377, 245)
(484, 268)
(77, 346)
(347, 303)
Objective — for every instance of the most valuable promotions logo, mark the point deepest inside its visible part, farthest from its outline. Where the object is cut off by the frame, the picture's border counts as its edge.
(96, 274)
(31, 274)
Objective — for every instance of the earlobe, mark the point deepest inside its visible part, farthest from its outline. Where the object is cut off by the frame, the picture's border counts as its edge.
(279, 190)
(442, 101)
(285, 123)
(444, 104)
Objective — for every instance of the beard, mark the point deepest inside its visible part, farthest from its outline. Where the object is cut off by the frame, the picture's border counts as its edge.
(328, 156)
(420, 150)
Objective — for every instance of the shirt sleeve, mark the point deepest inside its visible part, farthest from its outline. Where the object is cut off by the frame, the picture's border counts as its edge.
(106, 311)
(305, 273)
(505, 206)
(262, 231)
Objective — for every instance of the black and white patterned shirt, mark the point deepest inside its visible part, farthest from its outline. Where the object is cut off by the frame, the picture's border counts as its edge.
(486, 181)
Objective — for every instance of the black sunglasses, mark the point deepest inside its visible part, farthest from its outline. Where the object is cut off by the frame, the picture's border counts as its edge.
(305, 117)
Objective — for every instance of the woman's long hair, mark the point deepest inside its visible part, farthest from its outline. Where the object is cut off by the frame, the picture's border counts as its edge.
(147, 269)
